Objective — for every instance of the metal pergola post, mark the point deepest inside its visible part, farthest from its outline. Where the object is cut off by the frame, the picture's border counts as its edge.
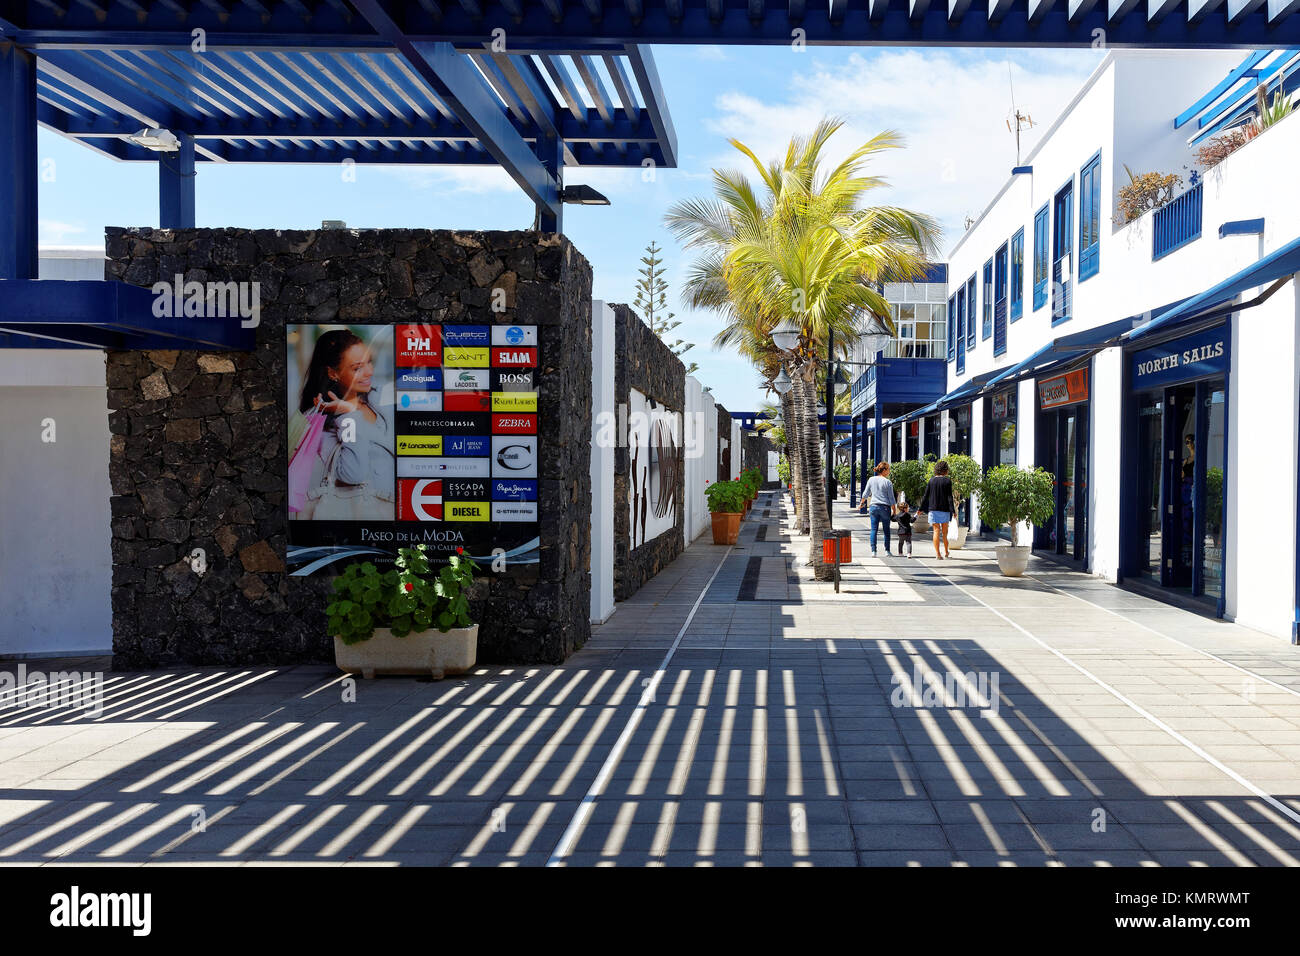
(18, 179)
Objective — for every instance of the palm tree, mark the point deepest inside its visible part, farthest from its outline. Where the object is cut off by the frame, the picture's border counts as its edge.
(802, 246)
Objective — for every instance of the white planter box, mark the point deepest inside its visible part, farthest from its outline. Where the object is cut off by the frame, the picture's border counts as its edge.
(1012, 560)
(428, 652)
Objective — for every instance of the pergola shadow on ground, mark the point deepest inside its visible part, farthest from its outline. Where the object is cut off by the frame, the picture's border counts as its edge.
(781, 731)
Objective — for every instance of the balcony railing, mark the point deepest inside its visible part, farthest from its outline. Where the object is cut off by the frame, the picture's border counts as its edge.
(1176, 223)
(916, 348)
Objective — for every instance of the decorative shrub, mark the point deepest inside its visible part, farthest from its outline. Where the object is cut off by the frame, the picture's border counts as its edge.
(1145, 192)
(751, 481)
(726, 497)
(404, 598)
(783, 470)
(965, 473)
(1010, 495)
(909, 479)
(1218, 148)
(842, 474)
(1213, 499)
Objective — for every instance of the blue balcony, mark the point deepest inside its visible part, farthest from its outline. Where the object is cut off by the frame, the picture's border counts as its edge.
(1176, 223)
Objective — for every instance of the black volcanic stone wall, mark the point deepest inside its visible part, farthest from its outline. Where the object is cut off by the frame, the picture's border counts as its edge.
(198, 439)
(725, 470)
(754, 448)
(642, 361)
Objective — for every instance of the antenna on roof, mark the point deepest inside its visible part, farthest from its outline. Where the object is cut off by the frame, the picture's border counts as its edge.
(1016, 120)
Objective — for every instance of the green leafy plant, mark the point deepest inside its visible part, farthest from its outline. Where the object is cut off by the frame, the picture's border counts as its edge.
(1010, 495)
(1213, 499)
(1270, 113)
(783, 470)
(751, 480)
(652, 300)
(965, 473)
(1144, 192)
(406, 598)
(842, 474)
(727, 497)
(909, 479)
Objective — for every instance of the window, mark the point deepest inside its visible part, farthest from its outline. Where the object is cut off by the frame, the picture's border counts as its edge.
(1017, 274)
(1040, 258)
(1090, 218)
(952, 318)
(986, 316)
(961, 331)
(1062, 235)
(1000, 301)
(970, 314)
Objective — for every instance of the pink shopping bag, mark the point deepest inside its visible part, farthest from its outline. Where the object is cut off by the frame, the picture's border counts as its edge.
(304, 458)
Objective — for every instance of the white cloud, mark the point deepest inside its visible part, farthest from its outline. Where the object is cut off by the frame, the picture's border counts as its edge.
(459, 179)
(53, 232)
(950, 107)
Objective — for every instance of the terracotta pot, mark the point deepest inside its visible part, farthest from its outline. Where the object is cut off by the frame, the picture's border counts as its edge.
(420, 652)
(726, 526)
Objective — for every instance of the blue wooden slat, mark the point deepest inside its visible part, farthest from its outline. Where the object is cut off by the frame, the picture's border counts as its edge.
(1220, 88)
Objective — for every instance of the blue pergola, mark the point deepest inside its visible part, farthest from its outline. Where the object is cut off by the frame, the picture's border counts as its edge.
(247, 81)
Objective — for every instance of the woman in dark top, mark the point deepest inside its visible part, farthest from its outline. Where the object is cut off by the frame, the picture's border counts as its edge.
(938, 500)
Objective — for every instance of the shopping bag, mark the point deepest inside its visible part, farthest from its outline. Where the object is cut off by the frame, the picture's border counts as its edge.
(303, 463)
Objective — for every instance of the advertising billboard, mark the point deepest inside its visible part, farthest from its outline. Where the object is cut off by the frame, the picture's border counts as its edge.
(411, 434)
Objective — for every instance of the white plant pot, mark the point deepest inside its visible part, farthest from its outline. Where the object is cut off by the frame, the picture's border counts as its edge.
(1012, 560)
(424, 652)
(956, 536)
(922, 523)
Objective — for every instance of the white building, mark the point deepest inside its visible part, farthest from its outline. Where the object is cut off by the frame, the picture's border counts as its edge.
(1110, 352)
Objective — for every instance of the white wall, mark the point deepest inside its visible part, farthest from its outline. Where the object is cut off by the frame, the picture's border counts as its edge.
(1104, 475)
(736, 450)
(604, 439)
(699, 410)
(55, 560)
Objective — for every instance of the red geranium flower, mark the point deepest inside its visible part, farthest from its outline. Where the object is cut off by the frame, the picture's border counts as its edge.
(459, 549)
(409, 586)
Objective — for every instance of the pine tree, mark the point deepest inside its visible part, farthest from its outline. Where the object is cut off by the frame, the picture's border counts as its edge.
(652, 301)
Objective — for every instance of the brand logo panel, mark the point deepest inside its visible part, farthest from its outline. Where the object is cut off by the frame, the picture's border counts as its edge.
(418, 345)
(420, 379)
(467, 445)
(514, 424)
(514, 456)
(464, 357)
(514, 401)
(446, 423)
(419, 500)
(419, 444)
(465, 490)
(514, 380)
(419, 401)
(514, 511)
(467, 380)
(467, 401)
(514, 489)
(467, 511)
(443, 467)
(514, 335)
(509, 356)
(467, 335)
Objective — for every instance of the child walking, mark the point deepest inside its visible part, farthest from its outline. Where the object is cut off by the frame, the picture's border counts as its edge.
(905, 517)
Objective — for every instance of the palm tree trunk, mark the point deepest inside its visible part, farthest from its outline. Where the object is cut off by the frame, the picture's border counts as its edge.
(792, 451)
(818, 520)
(807, 448)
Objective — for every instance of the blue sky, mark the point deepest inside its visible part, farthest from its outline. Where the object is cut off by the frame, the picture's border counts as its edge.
(950, 105)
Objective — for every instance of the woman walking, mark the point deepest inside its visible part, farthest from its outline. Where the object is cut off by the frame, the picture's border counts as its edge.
(878, 497)
(938, 501)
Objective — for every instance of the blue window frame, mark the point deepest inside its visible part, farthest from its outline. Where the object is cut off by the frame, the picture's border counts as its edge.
(961, 331)
(986, 313)
(1000, 301)
(1090, 218)
(1062, 236)
(1040, 258)
(952, 319)
(970, 314)
(1017, 274)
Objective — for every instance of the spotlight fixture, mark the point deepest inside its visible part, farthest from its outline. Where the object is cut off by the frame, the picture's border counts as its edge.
(158, 140)
(582, 195)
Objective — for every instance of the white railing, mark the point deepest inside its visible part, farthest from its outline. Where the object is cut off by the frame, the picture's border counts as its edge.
(916, 348)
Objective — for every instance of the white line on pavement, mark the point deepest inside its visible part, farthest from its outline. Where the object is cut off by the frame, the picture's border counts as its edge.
(570, 835)
(1147, 627)
(1218, 764)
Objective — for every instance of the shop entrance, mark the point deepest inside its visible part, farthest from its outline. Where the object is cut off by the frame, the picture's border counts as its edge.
(1061, 447)
(1182, 434)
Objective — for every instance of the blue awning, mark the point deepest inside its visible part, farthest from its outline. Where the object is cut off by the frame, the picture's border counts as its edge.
(1278, 264)
(1067, 349)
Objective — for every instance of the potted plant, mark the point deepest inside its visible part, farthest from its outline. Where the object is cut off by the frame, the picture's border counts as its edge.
(842, 477)
(405, 620)
(965, 474)
(1011, 495)
(726, 504)
(750, 482)
(909, 478)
